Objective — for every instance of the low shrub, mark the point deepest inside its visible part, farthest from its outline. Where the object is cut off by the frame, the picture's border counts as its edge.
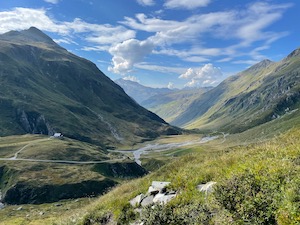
(249, 198)
(191, 214)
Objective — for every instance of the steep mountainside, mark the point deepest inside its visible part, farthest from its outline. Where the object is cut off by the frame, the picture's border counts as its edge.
(259, 94)
(140, 92)
(170, 105)
(46, 89)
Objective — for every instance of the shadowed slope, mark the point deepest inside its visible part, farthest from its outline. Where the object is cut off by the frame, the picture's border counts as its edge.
(46, 89)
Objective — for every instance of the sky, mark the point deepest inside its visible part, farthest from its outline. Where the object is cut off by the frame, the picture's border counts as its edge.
(164, 43)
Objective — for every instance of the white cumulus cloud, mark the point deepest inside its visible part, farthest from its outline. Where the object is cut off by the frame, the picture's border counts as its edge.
(246, 26)
(127, 53)
(101, 34)
(23, 18)
(170, 85)
(203, 76)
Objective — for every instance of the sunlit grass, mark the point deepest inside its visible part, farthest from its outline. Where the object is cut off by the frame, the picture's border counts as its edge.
(273, 166)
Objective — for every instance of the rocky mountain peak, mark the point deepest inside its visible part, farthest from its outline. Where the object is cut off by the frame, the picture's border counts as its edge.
(31, 35)
(261, 65)
(294, 53)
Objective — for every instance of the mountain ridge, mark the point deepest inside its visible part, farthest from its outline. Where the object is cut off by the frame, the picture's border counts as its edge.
(31, 35)
(170, 105)
(250, 98)
(43, 83)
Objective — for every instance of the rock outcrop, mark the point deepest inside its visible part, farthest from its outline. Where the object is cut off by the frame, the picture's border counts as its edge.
(22, 193)
(157, 194)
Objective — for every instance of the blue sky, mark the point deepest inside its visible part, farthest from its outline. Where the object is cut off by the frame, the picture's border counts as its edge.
(162, 43)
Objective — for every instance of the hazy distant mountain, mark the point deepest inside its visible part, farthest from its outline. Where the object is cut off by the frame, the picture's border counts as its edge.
(262, 93)
(170, 105)
(167, 103)
(46, 89)
(140, 92)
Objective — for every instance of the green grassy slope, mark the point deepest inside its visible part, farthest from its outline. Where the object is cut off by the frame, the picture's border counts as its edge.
(262, 93)
(256, 184)
(46, 89)
(24, 182)
(43, 147)
(170, 105)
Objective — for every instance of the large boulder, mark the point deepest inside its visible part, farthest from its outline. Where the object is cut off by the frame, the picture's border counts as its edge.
(147, 201)
(157, 194)
(163, 198)
(137, 200)
(158, 187)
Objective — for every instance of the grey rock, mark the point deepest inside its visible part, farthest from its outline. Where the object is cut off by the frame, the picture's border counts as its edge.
(33, 125)
(137, 200)
(157, 194)
(152, 190)
(1, 205)
(163, 198)
(147, 201)
(158, 186)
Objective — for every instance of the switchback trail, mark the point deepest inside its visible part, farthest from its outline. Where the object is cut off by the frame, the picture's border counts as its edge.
(15, 157)
(33, 142)
(136, 153)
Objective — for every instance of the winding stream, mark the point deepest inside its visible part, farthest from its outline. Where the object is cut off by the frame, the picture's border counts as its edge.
(150, 148)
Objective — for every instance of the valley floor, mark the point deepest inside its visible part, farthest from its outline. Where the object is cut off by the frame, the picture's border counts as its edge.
(256, 184)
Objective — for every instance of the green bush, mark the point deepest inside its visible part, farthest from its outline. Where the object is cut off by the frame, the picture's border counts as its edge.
(191, 214)
(289, 213)
(98, 217)
(249, 198)
(127, 215)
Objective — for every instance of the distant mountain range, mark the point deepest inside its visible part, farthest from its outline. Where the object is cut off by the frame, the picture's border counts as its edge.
(46, 89)
(262, 93)
(170, 105)
(140, 93)
(167, 103)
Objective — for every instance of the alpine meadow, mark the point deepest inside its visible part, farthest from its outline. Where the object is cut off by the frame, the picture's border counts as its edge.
(149, 112)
